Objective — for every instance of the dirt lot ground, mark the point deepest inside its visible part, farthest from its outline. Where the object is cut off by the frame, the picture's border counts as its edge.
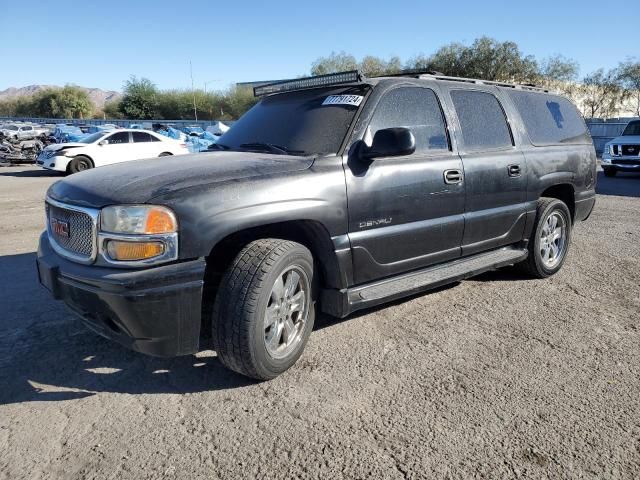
(496, 377)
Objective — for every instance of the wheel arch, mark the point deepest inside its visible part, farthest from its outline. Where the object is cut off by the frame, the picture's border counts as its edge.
(564, 192)
(310, 233)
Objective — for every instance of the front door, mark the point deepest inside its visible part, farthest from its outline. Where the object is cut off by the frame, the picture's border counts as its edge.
(494, 171)
(116, 149)
(406, 212)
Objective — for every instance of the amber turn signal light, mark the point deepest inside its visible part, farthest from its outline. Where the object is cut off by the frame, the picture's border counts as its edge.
(131, 251)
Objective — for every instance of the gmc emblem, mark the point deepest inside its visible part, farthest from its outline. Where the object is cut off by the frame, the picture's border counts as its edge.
(60, 228)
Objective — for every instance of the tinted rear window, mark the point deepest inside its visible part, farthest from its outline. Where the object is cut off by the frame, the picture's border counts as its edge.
(482, 120)
(549, 119)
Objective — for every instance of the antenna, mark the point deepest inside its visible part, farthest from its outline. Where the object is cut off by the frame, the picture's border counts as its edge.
(193, 92)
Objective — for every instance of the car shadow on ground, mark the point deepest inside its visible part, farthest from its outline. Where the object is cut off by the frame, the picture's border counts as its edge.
(47, 354)
(30, 173)
(623, 184)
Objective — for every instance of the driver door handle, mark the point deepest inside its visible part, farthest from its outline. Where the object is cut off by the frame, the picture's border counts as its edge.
(452, 177)
(514, 170)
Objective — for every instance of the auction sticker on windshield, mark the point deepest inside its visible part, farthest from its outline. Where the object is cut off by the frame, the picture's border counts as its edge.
(354, 100)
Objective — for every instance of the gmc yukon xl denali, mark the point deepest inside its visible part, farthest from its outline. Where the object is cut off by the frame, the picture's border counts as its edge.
(334, 193)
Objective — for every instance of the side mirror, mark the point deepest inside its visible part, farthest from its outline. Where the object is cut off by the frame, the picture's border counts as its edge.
(390, 142)
(102, 143)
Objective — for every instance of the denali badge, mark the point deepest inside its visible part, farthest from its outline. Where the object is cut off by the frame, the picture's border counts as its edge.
(60, 228)
(375, 223)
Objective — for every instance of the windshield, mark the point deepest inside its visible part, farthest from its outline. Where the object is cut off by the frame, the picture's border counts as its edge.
(11, 127)
(632, 128)
(296, 122)
(94, 137)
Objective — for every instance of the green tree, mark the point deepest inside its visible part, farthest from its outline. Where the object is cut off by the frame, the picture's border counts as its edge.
(601, 93)
(486, 58)
(112, 109)
(335, 62)
(67, 102)
(139, 99)
(629, 76)
(559, 68)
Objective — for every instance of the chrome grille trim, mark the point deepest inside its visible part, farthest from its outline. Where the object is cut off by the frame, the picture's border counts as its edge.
(87, 250)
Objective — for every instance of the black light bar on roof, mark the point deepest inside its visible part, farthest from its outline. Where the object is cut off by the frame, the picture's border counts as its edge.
(329, 79)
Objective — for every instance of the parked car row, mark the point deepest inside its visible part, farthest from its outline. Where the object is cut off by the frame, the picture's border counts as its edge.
(106, 147)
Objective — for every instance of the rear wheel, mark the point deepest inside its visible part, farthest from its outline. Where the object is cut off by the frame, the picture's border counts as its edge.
(79, 164)
(610, 172)
(549, 242)
(264, 310)
(165, 154)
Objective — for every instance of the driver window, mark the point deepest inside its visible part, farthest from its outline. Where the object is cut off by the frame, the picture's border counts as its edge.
(414, 108)
(118, 138)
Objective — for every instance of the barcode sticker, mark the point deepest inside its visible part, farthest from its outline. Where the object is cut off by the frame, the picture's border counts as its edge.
(354, 100)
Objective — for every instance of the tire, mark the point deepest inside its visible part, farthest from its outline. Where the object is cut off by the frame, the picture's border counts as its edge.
(80, 164)
(165, 154)
(610, 172)
(247, 339)
(539, 263)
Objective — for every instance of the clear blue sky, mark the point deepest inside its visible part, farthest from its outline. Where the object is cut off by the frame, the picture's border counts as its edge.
(100, 44)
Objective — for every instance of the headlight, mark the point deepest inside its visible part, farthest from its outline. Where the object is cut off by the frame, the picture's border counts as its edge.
(138, 219)
(134, 235)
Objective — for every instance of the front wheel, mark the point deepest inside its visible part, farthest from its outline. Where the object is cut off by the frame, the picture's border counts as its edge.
(610, 172)
(549, 242)
(264, 310)
(80, 164)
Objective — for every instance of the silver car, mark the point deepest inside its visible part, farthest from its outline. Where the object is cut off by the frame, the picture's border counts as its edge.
(22, 131)
(622, 154)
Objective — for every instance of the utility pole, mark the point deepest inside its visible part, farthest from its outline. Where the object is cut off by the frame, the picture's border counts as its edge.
(193, 91)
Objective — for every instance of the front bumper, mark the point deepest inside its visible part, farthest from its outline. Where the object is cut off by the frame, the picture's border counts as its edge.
(622, 164)
(156, 311)
(58, 163)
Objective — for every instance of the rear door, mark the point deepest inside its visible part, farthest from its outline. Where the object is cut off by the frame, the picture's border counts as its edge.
(144, 145)
(495, 171)
(403, 212)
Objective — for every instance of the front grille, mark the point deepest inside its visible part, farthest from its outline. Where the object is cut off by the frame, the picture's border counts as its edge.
(631, 150)
(80, 240)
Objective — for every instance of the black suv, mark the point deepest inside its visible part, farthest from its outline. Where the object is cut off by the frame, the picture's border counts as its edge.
(334, 193)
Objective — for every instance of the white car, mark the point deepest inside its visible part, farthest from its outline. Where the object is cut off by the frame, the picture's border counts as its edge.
(106, 148)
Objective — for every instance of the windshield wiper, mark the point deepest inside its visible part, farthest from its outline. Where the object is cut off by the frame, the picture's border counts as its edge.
(271, 148)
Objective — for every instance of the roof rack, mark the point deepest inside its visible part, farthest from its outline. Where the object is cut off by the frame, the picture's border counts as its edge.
(352, 76)
(355, 76)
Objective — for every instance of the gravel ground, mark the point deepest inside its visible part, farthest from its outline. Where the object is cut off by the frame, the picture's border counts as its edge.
(495, 377)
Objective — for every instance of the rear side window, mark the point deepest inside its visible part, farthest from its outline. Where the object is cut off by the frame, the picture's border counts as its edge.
(118, 138)
(139, 137)
(418, 110)
(484, 125)
(549, 119)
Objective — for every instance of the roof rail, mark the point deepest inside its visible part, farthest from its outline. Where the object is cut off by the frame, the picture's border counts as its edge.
(525, 86)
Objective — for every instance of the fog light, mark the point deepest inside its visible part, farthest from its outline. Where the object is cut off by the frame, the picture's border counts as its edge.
(129, 251)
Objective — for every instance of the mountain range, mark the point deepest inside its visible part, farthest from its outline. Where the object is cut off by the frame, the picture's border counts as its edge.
(98, 96)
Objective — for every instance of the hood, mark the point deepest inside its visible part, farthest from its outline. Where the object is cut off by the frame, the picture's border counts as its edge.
(59, 146)
(141, 180)
(625, 140)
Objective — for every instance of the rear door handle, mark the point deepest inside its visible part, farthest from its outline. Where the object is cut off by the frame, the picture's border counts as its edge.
(514, 170)
(451, 177)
